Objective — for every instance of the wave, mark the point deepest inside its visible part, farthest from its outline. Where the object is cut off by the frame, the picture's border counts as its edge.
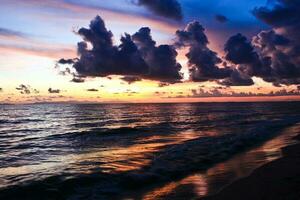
(20, 121)
(102, 132)
(175, 161)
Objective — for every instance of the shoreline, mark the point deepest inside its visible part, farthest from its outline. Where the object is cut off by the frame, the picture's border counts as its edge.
(278, 179)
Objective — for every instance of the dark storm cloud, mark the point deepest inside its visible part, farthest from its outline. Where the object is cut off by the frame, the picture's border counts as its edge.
(237, 79)
(268, 57)
(136, 55)
(285, 13)
(160, 59)
(205, 64)
(131, 79)
(241, 52)
(281, 47)
(26, 89)
(92, 90)
(105, 58)
(221, 18)
(270, 40)
(283, 57)
(271, 55)
(166, 8)
(54, 91)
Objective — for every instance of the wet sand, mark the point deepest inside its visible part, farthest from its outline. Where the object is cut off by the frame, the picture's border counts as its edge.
(277, 180)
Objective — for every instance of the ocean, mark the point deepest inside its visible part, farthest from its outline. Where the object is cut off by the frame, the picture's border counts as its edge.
(137, 151)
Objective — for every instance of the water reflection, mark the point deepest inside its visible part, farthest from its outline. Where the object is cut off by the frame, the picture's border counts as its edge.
(40, 141)
(187, 188)
(220, 175)
(134, 157)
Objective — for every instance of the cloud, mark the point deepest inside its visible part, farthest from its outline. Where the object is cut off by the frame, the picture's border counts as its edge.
(26, 89)
(161, 59)
(220, 92)
(12, 33)
(272, 55)
(283, 14)
(92, 90)
(54, 91)
(240, 51)
(71, 9)
(130, 92)
(66, 61)
(133, 57)
(69, 70)
(202, 61)
(105, 58)
(165, 8)
(20, 42)
(205, 64)
(281, 44)
(237, 79)
(23, 89)
(221, 18)
(77, 80)
(163, 84)
(158, 93)
(131, 79)
(38, 49)
(267, 57)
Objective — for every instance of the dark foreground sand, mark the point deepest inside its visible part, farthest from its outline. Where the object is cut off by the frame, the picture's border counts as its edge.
(277, 180)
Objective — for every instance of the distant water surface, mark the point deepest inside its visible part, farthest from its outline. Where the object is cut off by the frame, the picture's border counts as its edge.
(118, 150)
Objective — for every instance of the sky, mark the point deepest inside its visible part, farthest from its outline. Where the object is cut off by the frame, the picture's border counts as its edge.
(149, 50)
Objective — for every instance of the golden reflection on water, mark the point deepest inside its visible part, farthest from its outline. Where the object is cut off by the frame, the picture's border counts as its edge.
(84, 157)
(198, 182)
(134, 157)
(222, 174)
(111, 160)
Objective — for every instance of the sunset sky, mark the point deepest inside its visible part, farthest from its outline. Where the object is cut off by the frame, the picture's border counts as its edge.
(70, 50)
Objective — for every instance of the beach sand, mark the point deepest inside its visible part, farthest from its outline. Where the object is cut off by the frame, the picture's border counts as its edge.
(277, 180)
